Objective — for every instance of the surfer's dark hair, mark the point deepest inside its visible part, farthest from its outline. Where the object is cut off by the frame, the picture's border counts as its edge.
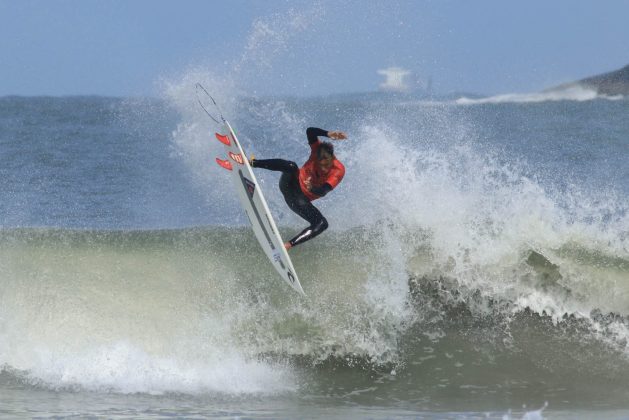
(326, 147)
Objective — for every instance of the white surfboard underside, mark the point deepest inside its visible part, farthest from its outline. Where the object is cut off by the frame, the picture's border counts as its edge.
(252, 200)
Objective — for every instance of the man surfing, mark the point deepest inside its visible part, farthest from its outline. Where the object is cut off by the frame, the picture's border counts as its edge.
(321, 173)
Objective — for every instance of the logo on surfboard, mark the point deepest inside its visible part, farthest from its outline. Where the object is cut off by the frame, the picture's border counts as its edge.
(237, 157)
(290, 276)
(249, 186)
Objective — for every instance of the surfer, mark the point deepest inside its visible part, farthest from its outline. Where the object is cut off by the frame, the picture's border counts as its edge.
(321, 173)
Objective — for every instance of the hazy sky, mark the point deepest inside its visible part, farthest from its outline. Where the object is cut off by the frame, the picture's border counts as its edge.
(125, 47)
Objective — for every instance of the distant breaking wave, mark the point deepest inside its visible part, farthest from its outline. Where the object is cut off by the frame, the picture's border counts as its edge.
(574, 93)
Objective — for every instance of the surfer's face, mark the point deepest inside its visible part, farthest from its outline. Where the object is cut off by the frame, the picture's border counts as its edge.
(325, 161)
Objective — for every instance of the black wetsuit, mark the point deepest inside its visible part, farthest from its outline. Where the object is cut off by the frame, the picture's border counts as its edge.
(294, 196)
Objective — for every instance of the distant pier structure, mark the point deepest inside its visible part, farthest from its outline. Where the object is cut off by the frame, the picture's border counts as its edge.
(395, 79)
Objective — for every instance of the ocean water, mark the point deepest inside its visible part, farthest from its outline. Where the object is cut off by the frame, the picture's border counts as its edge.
(476, 265)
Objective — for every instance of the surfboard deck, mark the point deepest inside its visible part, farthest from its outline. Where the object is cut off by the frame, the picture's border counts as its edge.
(256, 208)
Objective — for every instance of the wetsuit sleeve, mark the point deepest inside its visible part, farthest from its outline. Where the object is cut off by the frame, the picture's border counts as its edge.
(322, 190)
(312, 133)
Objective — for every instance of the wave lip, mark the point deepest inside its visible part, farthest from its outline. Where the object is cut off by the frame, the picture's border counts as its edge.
(576, 93)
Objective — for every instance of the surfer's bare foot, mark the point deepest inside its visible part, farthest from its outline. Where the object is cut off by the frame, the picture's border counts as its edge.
(288, 246)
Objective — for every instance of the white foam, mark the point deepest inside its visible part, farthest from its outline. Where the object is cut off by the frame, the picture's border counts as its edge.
(125, 368)
(478, 216)
(79, 319)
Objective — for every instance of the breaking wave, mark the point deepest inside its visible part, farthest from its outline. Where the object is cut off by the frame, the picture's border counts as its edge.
(573, 93)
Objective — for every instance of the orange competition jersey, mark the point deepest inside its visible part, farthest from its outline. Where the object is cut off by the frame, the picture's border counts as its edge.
(312, 170)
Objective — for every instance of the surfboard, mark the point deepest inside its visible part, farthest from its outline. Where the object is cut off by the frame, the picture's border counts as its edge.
(255, 206)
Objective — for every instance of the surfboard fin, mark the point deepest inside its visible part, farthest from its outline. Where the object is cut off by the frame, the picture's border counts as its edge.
(224, 164)
(223, 139)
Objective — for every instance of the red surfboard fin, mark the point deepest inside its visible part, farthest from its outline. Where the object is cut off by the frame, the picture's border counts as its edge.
(224, 163)
(223, 139)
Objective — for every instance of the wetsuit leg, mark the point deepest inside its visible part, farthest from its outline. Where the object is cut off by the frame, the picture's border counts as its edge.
(281, 165)
(306, 210)
(295, 198)
(299, 203)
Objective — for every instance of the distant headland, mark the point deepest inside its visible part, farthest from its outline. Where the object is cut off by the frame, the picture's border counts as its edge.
(612, 83)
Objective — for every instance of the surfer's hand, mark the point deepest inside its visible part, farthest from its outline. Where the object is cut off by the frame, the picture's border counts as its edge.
(337, 135)
(308, 183)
